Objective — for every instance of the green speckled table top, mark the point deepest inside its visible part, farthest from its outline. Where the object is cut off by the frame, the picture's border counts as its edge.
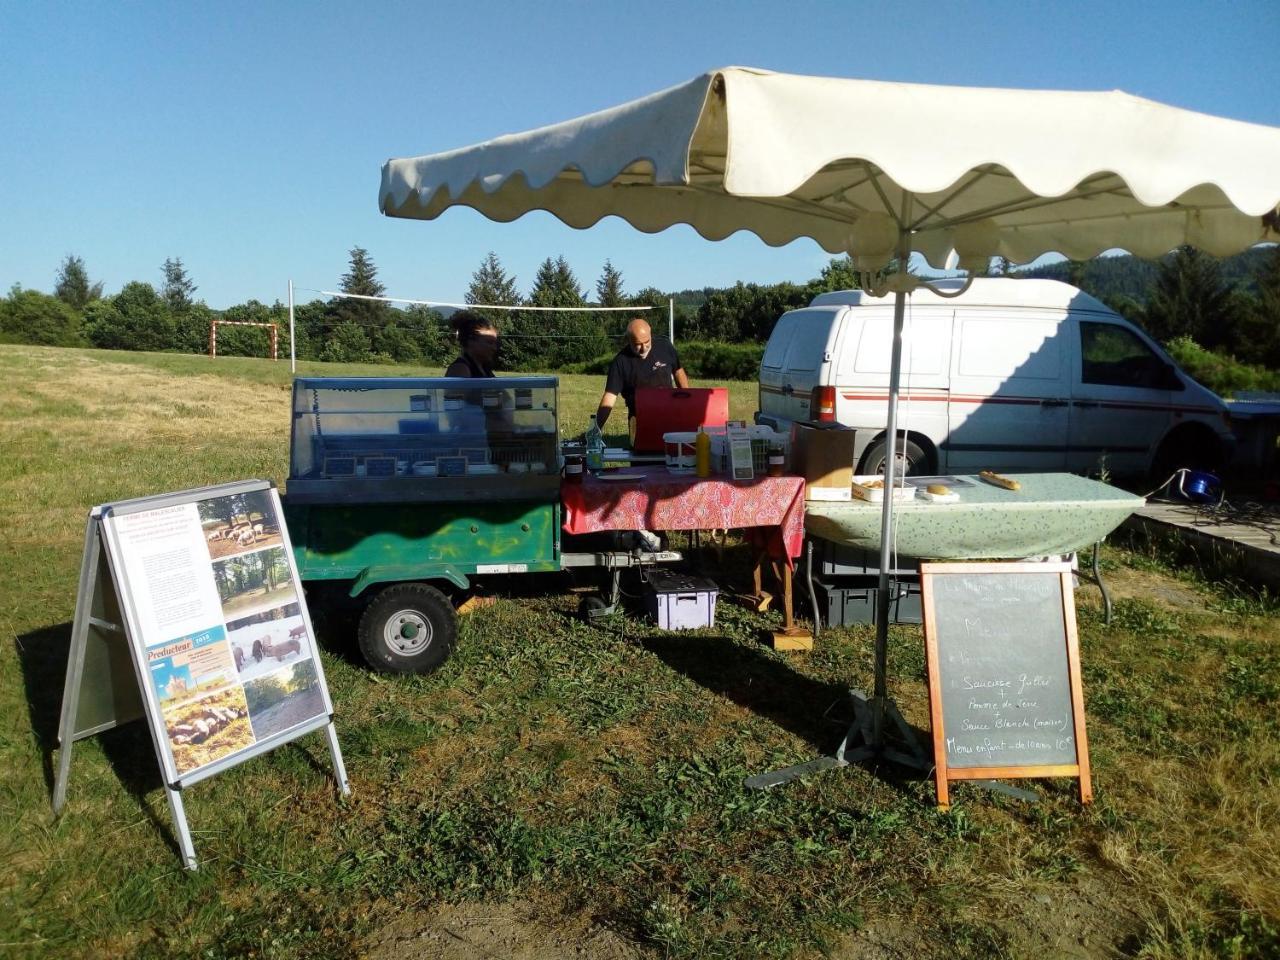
(1052, 513)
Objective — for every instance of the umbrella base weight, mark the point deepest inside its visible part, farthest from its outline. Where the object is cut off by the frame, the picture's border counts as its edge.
(856, 746)
(795, 638)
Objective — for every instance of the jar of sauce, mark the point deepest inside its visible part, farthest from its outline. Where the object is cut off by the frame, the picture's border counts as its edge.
(777, 460)
(573, 467)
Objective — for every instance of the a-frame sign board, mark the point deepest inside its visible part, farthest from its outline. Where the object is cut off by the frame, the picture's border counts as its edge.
(1005, 694)
(190, 614)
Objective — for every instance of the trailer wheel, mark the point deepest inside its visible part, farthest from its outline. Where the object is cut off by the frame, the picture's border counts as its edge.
(408, 628)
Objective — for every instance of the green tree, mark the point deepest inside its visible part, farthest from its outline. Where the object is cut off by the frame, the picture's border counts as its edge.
(191, 331)
(134, 319)
(29, 316)
(348, 343)
(1189, 299)
(72, 285)
(177, 287)
(546, 340)
(360, 279)
(427, 329)
(490, 284)
(609, 287)
(310, 323)
(838, 274)
(746, 312)
(253, 341)
(1255, 337)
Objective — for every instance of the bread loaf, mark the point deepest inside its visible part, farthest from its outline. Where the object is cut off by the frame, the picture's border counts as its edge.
(938, 489)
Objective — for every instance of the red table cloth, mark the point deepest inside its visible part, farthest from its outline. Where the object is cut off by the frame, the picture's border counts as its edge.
(664, 501)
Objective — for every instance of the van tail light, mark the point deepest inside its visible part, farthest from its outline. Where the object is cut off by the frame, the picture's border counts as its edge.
(822, 404)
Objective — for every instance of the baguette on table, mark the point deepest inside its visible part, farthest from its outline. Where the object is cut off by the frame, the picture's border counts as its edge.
(1000, 481)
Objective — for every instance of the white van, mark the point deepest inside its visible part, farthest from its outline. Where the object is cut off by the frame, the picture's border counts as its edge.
(1013, 375)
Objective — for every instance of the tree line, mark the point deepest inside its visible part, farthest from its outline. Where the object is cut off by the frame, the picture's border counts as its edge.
(1229, 307)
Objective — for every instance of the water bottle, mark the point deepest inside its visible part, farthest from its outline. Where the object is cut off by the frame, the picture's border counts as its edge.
(595, 446)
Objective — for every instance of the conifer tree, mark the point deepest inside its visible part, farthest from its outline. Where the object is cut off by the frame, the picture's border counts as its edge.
(609, 287)
(177, 288)
(362, 280)
(1189, 299)
(72, 285)
(490, 284)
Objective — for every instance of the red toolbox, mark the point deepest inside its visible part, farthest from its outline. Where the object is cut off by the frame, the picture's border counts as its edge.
(660, 411)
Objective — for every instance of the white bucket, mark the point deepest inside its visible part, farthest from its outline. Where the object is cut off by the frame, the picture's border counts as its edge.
(680, 452)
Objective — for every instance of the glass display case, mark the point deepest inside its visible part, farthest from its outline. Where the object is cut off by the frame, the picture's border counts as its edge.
(417, 439)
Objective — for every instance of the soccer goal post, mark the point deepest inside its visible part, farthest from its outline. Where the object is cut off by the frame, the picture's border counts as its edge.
(273, 328)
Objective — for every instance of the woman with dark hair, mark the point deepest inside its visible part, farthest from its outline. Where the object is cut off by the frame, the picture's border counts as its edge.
(478, 339)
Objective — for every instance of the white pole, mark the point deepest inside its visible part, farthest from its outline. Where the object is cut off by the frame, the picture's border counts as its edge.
(293, 358)
(671, 320)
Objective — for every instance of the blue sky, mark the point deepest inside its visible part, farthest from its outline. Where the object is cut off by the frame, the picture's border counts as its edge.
(247, 139)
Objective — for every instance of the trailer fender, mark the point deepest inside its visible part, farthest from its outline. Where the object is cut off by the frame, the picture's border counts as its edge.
(371, 576)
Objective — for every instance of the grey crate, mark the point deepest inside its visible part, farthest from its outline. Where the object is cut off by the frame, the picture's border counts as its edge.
(679, 601)
(851, 600)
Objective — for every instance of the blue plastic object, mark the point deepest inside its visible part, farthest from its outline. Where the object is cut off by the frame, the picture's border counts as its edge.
(1200, 486)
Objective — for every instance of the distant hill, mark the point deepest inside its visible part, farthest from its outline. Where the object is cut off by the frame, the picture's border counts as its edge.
(1129, 276)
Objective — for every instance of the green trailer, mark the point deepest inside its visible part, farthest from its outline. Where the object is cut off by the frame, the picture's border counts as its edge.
(405, 489)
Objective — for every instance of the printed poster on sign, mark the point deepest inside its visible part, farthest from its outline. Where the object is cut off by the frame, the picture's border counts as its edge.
(227, 646)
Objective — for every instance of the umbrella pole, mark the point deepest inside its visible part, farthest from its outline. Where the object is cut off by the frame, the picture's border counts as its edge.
(880, 693)
(865, 738)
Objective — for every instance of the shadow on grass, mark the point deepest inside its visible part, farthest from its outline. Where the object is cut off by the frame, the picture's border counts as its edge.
(818, 712)
(128, 748)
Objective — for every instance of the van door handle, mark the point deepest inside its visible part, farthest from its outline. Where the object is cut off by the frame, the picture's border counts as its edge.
(1084, 403)
(788, 389)
(1047, 402)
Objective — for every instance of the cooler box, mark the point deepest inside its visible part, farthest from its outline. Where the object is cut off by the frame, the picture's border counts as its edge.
(660, 411)
(678, 601)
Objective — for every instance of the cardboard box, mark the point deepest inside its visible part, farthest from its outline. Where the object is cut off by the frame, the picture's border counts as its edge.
(822, 453)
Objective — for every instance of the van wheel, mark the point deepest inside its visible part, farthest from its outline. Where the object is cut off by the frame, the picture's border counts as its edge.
(408, 628)
(1191, 447)
(917, 462)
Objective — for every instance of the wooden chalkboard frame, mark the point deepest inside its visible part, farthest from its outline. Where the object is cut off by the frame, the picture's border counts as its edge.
(942, 773)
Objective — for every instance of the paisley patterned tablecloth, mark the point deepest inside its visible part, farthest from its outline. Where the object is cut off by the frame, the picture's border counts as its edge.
(1052, 513)
(663, 501)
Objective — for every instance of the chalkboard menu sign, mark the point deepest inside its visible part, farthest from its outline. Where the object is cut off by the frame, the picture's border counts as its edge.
(1004, 673)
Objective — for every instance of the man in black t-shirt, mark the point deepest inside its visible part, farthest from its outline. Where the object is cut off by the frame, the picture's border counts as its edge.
(643, 362)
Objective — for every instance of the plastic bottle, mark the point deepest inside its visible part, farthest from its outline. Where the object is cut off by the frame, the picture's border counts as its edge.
(595, 446)
(702, 453)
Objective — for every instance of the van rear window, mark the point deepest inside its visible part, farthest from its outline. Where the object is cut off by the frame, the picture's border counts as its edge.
(779, 339)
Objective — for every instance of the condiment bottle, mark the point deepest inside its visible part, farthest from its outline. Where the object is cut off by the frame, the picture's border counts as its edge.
(702, 453)
(573, 468)
(777, 460)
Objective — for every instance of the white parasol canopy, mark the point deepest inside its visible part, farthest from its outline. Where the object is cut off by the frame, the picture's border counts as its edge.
(1013, 173)
(878, 170)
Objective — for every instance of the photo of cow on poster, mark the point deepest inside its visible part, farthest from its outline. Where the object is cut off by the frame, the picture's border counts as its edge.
(268, 640)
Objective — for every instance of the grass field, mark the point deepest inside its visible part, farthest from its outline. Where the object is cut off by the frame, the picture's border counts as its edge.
(562, 789)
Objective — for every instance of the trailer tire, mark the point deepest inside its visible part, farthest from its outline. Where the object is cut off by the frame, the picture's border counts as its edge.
(408, 628)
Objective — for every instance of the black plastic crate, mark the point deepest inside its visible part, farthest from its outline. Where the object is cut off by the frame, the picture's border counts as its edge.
(837, 560)
(851, 600)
